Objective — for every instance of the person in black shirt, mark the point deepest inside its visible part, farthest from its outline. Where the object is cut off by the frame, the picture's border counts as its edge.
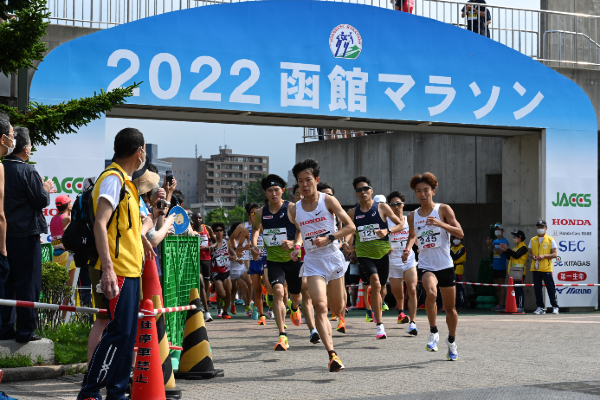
(478, 17)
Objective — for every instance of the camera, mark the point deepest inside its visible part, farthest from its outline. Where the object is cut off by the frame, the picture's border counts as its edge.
(162, 204)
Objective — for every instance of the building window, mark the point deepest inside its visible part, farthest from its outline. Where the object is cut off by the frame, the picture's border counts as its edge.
(245, 183)
(240, 159)
(209, 198)
(245, 176)
(264, 161)
(218, 166)
(217, 191)
(265, 169)
(218, 183)
(218, 175)
(209, 174)
(245, 168)
(209, 181)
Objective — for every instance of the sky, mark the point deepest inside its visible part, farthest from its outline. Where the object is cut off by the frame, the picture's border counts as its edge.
(177, 139)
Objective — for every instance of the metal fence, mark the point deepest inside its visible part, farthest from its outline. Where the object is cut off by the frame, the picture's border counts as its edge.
(555, 38)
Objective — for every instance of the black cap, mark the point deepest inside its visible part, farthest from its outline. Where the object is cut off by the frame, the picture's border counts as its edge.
(541, 222)
(519, 234)
(272, 180)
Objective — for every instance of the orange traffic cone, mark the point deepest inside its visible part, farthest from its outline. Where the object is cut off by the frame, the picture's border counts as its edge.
(150, 282)
(511, 301)
(171, 390)
(148, 375)
(361, 297)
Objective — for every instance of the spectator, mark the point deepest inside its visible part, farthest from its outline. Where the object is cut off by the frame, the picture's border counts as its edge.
(478, 17)
(542, 249)
(8, 145)
(26, 195)
(404, 5)
(517, 266)
(121, 257)
(499, 264)
(458, 252)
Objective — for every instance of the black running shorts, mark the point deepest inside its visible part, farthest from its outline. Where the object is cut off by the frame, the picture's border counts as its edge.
(220, 276)
(281, 272)
(445, 277)
(370, 266)
(205, 269)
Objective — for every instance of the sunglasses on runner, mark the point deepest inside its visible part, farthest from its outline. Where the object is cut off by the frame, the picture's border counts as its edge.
(363, 189)
(252, 214)
(396, 204)
(219, 230)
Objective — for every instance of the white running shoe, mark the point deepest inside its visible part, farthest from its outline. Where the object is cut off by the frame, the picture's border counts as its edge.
(452, 354)
(207, 317)
(555, 310)
(434, 338)
(219, 312)
(539, 311)
(411, 329)
(270, 314)
(381, 332)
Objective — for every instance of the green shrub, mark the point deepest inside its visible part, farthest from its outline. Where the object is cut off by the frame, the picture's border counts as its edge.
(54, 290)
(70, 342)
(15, 361)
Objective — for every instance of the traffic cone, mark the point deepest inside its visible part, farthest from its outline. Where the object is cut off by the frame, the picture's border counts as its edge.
(361, 297)
(171, 391)
(150, 282)
(196, 360)
(148, 377)
(511, 301)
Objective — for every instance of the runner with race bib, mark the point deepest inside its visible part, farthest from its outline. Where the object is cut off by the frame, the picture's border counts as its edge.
(279, 235)
(206, 237)
(431, 226)
(324, 264)
(222, 253)
(372, 243)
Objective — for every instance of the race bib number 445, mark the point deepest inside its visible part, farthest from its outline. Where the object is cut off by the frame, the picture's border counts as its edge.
(366, 233)
(429, 239)
(274, 237)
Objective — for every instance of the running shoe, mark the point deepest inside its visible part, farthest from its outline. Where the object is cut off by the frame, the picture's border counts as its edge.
(335, 364)
(239, 302)
(369, 317)
(381, 332)
(520, 309)
(219, 312)
(402, 318)
(341, 326)
(555, 310)
(452, 354)
(270, 314)
(539, 311)
(225, 316)
(233, 310)
(314, 337)
(255, 313)
(208, 317)
(333, 318)
(270, 300)
(434, 338)
(296, 317)
(498, 308)
(288, 308)
(412, 329)
(384, 306)
(248, 311)
(282, 344)
(262, 320)
(4, 396)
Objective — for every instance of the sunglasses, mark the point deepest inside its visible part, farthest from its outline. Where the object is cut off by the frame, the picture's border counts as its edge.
(252, 214)
(219, 230)
(363, 189)
(329, 194)
(396, 204)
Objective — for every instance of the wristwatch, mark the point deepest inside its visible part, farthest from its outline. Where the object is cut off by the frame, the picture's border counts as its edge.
(331, 238)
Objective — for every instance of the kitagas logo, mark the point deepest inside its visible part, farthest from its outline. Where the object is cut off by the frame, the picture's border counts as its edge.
(67, 185)
(345, 42)
(574, 200)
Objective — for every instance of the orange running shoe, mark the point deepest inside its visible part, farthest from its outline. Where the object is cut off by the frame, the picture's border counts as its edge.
(335, 364)
(282, 344)
(296, 317)
(226, 316)
(341, 325)
(262, 320)
(264, 290)
(333, 318)
(233, 311)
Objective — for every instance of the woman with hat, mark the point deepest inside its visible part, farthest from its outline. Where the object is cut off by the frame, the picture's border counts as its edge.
(517, 266)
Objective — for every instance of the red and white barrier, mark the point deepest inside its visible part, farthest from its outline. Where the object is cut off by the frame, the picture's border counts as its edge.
(515, 285)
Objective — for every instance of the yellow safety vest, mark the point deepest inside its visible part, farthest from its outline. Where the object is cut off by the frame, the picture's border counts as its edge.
(459, 264)
(542, 248)
(519, 262)
(125, 229)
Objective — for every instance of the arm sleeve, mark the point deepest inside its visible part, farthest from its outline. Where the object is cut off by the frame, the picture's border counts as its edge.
(36, 194)
(457, 255)
(517, 254)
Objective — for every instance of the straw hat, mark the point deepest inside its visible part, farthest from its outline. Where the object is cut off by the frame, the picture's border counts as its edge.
(146, 182)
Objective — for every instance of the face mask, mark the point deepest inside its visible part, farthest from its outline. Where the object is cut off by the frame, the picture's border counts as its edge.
(498, 233)
(456, 242)
(515, 240)
(541, 231)
(10, 149)
(142, 162)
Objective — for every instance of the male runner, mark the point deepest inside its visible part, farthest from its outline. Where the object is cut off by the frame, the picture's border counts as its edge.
(324, 265)
(400, 271)
(239, 277)
(207, 237)
(222, 255)
(279, 235)
(372, 243)
(432, 224)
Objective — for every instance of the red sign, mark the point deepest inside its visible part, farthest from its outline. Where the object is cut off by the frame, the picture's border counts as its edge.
(572, 276)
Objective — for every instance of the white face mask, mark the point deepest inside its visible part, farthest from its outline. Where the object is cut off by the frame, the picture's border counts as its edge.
(498, 233)
(541, 231)
(10, 149)
(456, 242)
(142, 162)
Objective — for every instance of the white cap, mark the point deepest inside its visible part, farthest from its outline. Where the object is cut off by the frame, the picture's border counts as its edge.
(379, 198)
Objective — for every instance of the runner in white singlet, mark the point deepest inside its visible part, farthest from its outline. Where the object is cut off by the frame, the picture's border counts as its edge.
(431, 226)
(324, 265)
(239, 277)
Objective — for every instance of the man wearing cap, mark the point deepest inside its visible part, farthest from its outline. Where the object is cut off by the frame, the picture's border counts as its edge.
(542, 249)
(517, 265)
(499, 264)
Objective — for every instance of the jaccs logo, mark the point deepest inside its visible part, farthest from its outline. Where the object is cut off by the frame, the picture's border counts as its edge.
(574, 200)
(67, 185)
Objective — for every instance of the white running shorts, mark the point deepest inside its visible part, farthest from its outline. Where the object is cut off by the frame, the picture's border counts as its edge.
(330, 267)
(397, 267)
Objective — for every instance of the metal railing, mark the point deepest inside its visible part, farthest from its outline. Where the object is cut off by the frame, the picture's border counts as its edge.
(330, 134)
(555, 38)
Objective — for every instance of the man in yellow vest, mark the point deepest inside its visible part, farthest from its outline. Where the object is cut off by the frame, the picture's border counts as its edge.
(118, 235)
(542, 250)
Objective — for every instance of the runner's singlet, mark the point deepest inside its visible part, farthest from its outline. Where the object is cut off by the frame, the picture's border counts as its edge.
(434, 243)
(204, 243)
(314, 224)
(277, 228)
(398, 242)
(260, 243)
(220, 259)
(367, 243)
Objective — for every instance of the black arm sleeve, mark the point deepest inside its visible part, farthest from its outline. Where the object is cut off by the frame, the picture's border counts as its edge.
(456, 256)
(517, 254)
